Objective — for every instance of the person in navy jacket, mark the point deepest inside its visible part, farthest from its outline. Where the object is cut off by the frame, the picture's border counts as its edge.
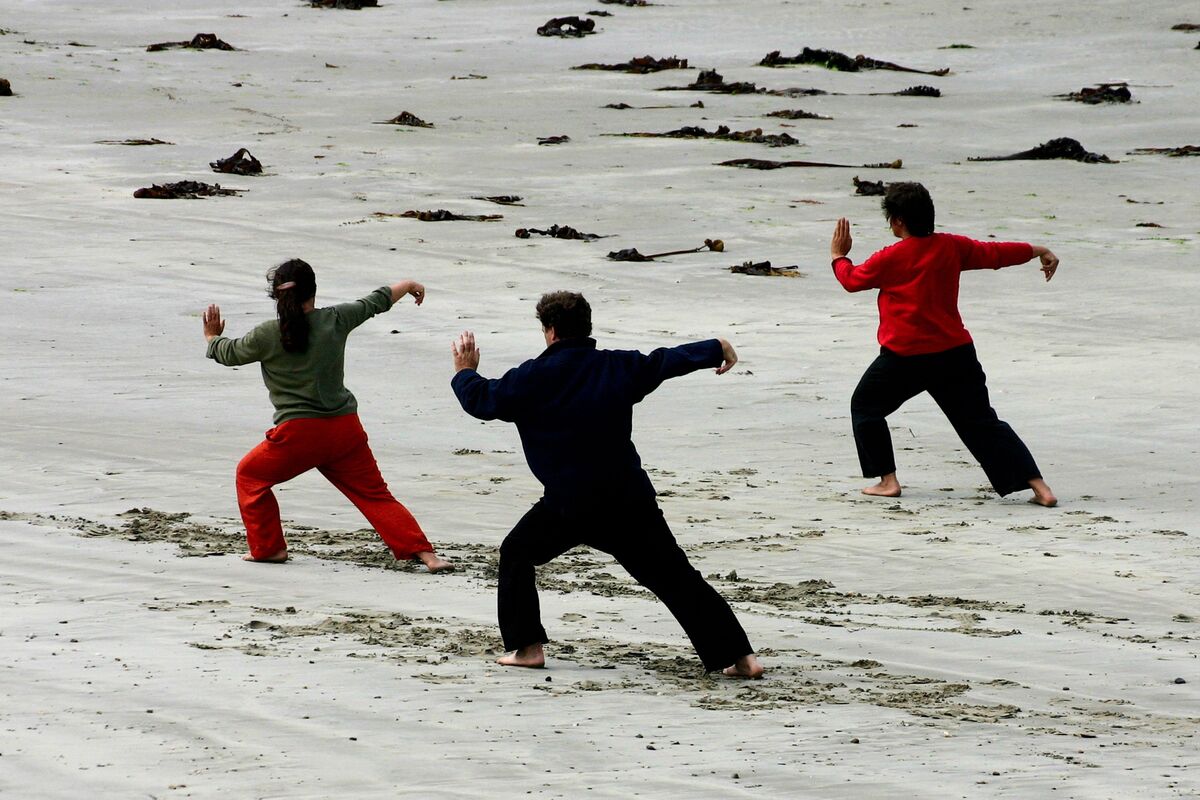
(923, 345)
(573, 407)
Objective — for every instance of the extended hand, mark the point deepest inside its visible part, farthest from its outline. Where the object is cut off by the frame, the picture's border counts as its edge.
(841, 242)
(1049, 264)
(466, 354)
(214, 326)
(416, 290)
(730, 356)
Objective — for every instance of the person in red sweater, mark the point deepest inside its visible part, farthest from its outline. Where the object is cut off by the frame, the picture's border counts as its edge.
(924, 346)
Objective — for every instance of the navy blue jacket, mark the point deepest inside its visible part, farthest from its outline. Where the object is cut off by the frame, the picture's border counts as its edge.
(573, 406)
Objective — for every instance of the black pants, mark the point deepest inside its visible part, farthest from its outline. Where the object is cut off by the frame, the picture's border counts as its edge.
(957, 384)
(638, 537)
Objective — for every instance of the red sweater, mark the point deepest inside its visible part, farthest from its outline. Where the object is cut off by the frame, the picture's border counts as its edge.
(917, 279)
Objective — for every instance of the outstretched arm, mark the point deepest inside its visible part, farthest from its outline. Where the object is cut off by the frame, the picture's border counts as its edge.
(408, 287)
(1049, 260)
(501, 398)
(671, 362)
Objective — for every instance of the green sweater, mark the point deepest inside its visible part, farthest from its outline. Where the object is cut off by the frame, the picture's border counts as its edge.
(308, 384)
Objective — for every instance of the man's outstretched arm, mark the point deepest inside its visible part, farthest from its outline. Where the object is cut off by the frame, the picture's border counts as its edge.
(671, 362)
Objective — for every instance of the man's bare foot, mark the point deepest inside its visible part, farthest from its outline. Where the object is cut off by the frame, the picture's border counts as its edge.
(274, 558)
(888, 486)
(529, 656)
(745, 667)
(1042, 495)
(433, 562)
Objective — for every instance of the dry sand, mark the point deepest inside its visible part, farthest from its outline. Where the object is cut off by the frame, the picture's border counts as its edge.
(949, 644)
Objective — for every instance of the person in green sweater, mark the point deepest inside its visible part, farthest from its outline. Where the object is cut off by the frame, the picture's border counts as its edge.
(302, 358)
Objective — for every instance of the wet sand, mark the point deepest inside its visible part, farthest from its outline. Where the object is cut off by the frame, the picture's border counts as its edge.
(946, 644)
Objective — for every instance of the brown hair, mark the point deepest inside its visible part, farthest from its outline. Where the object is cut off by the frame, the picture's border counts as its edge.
(567, 312)
(292, 284)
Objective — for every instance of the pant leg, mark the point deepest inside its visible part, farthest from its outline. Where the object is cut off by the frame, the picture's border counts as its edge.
(888, 383)
(959, 387)
(644, 545)
(288, 450)
(355, 473)
(539, 537)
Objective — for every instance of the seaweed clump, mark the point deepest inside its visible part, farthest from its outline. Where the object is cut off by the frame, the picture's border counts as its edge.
(184, 190)
(754, 135)
(201, 41)
(1103, 93)
(240, 163)
(1063, 148)
(567, 27)
(832, 59)
(641, 65)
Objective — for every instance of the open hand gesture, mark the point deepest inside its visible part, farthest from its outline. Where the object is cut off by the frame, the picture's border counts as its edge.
(466, 354)
(214, 326)
(841, 242)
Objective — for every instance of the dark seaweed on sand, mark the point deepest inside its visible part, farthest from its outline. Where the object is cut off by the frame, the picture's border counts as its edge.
(753, 136)
(548, 140)
(501, 199)
(710, 80)
(568, 27)
(201, 41)
(913, 91)
(5, 88)
(558, 232)
(1186, 26)
(629, 3)
(1102, 93)
(184, 190)
(442, 215)
(632, 254)
(353, 5)
(764, 268)
(641, 65)
(831, 59)
(133, 142)
(240, 163)
(795, 113)
(406, 118)
(869, 188)
(759, 163)
(1173, 152)
(1062, 148)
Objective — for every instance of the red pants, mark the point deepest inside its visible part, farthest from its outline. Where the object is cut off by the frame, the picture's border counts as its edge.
(337, 446)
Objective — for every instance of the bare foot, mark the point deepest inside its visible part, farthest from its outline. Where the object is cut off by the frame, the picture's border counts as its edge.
(745, 667)
(529, 656)
(888, 486)
(433, 562)
(275, 558)
(1042, 495)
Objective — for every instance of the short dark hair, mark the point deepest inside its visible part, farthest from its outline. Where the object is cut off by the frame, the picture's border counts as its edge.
(912, 204)
(567, 312)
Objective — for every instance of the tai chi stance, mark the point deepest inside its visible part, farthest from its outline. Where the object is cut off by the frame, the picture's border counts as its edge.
(302, 355)
(924, 346)
(573, 407)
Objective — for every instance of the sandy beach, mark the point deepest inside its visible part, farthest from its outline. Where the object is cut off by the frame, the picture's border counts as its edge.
(946, 644)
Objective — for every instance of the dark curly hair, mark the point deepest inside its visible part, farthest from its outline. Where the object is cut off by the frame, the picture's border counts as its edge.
(912, 204)
(567, 312)
(292, 284)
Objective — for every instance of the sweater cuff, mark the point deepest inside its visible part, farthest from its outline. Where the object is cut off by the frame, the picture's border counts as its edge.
(835, 261)
(211, 350)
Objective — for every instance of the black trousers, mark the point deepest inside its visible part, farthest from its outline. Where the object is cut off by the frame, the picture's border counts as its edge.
(957, 384)
(636, 534)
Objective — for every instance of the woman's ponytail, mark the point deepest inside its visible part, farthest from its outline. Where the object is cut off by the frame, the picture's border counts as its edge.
(292, 284)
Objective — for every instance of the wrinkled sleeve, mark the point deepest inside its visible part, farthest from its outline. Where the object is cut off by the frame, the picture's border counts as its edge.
(236, 352)
(351, 315)
(870, 274)
(671, 362)
(992, 255)
(501, 398)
